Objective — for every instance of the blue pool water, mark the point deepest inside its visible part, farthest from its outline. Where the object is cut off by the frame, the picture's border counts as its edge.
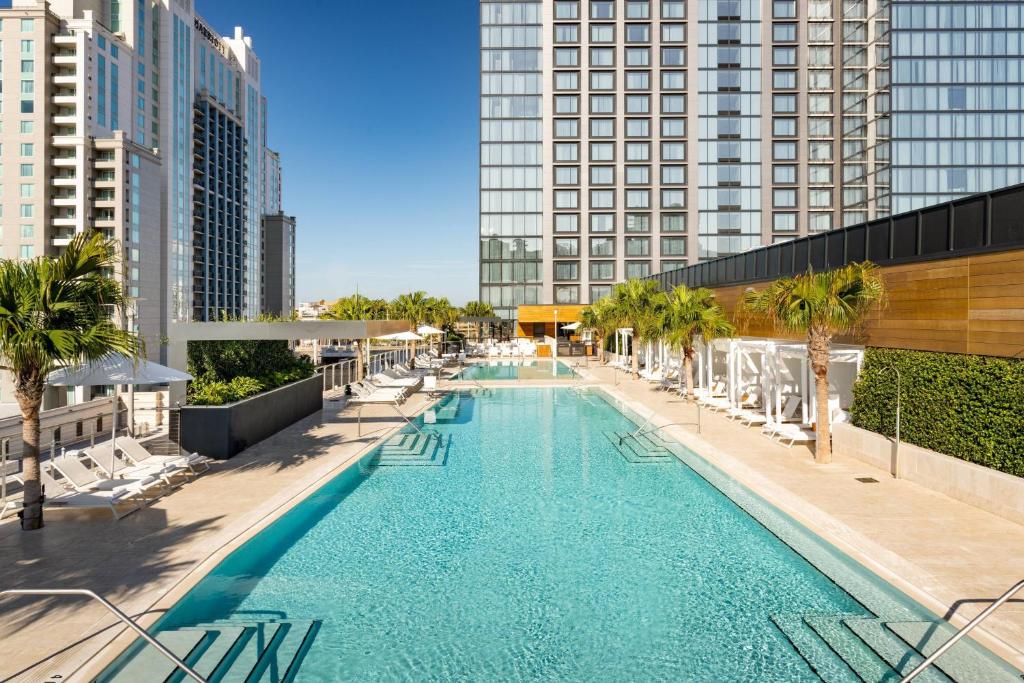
(536, 552)
(514, 369)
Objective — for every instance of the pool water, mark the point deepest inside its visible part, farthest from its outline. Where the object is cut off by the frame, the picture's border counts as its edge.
(536, 552)
(515, 370)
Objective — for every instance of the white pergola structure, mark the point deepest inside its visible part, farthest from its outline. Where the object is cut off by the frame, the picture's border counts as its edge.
(622, 336)
(773, 369)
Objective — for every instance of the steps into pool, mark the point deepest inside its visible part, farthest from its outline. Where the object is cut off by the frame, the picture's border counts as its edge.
(844, 648)
(640, 449)
(413, 449)
(228, 651)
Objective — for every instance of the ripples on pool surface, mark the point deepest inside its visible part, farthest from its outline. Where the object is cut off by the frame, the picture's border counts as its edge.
(535, 553)
(508, 369)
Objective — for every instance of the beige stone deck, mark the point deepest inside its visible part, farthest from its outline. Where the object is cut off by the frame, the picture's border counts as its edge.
(946, 554)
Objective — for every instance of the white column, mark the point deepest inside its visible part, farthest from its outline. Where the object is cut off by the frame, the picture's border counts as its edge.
(804, 386)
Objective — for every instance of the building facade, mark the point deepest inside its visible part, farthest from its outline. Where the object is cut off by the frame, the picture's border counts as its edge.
(136, 119)
(646, 135)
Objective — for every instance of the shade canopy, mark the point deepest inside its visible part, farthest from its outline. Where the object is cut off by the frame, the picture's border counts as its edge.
(116, 369)
(571, 326)
(402, 336)
(428, 330)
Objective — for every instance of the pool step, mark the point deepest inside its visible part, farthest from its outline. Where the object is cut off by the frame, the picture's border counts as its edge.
(641, 449)
(449, 410)
(228, 651)
(412, 449)
(843, 648)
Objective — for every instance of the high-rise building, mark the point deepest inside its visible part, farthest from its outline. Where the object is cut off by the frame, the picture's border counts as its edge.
(621, 138)
(137, 119)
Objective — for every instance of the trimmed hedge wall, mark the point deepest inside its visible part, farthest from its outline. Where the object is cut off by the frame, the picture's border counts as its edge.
(969, 407)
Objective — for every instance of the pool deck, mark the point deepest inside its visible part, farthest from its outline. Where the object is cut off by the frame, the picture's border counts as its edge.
(948, 555)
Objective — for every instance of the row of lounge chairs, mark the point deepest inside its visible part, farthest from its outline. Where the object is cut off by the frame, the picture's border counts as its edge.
(121, 481)
(396, 384)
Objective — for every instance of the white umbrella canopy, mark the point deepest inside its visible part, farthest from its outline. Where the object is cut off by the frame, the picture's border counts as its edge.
(428, 330)
(571, 326)
(116, 369)
(402, 336)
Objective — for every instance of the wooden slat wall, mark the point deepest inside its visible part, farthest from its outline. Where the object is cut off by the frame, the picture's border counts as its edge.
(972, 304)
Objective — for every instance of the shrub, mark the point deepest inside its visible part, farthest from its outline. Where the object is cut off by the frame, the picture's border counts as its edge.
(969, 407)
(228, 371)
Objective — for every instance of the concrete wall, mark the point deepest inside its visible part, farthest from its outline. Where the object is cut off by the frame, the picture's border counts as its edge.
(225, 431)
(988, 489)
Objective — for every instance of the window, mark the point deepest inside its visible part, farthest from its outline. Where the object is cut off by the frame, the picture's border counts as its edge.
(637, 104)
(27, 127)
(602, 199)
(27, 66)
(673, 33)
(783, 80)
(667, 266)
(673, 246)
(27, 251)
(26, 149)
(784, 199)
(638, 222)
(784, 9)
(673, 128)
(638, 56)
(567, 175)
(638, 33)
(819, 198)
(567, 128)
(602, 80)
(673, 104)
(819, 127)
(673, 151)
(819, 222)
(28, 47)
(818, 79)
(602, 56)
(819, 33)
(567, 10)
(819, 56)
(673, 175)
(602, 175)
(783, 174)
(27, 210)
(598, 292)
(602, 222)
(784, 104)
(602, 33)
(957, 98)
(638, 128)
(567, 104)
(567, 151)
(567, 199)
(819, 104)
(673, 9)
(26, 171)
(673, 80)
(638, 9)
(28, 231)
(567, 294)
(27, 190)
(673, 199)
(784, 222)
(602, 270)
(638, 199)
(784, 33)
(637, 269)
(28, 25)
(567, 56)
(638, 151)
(602, 246)
(783, 127)
(673, 222)
(638, 175)
(567, 80)
(602, 151)
(673, 56)
(602, 104)
(602, 9)
(638, 246)
(567, 222)
(819, 175)
(567, 270)
(819, 150)
(602, 128)
(567, 246)
(638, 80)
(784, 151)
(567, 33)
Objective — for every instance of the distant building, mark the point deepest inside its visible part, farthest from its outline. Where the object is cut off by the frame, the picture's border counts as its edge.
(279, 264)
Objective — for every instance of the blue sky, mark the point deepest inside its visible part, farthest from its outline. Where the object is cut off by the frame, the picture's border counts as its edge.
(373, 106)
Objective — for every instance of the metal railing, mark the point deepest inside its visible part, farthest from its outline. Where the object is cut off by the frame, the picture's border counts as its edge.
(124, 618)
(959, 635)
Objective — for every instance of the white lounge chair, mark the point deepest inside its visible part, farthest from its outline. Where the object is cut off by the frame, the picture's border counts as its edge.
(384, 380)
(788, 416)
(101, 455)
(141, 457)
(60, 497)
(795, 434)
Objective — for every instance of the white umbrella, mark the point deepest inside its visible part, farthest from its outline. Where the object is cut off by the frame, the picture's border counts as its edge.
(427, 330)
(115, 369)
(571, 326)
(402, 336)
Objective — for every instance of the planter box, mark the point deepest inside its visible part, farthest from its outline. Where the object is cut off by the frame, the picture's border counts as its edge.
(224, 431)
(983, 487)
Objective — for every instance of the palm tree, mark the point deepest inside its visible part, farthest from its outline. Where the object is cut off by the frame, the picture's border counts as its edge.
(692, 312)
(638, 304)
(357, 307)
(599, 318)
(478, 309)
(820, 305)
(56, 312)
(414, 307)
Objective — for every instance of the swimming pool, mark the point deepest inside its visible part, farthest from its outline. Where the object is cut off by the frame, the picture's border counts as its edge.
(524, 543)
(516, 370)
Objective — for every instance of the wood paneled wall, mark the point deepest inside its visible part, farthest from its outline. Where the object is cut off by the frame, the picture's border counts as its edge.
(971, 304)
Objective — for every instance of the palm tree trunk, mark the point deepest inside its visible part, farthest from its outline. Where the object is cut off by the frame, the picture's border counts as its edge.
(29, 400)
(688, 365)
(818, 345)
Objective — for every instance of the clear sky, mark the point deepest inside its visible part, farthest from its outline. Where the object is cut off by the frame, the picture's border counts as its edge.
(374, 108)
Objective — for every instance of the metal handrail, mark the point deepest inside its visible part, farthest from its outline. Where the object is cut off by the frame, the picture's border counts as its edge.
(1002, 599)
(117, 613)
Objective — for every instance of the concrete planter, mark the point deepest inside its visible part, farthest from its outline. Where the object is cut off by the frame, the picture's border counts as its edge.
(988, 489)
(224, 431)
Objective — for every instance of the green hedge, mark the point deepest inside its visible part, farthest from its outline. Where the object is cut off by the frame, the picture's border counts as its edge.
(229, 371)
(969, 407)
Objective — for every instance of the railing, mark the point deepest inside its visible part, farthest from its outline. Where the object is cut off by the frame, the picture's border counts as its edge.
(124, 618)
(337, 375)
(1000, 601)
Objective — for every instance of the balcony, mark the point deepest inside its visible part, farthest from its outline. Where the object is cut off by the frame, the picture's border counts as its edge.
(65, 78)
(64, 201)
(65, 221)
(60, 237)
(65, 39)
(64, 161)
(64, 181)
(65, 59)
(65, 119)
